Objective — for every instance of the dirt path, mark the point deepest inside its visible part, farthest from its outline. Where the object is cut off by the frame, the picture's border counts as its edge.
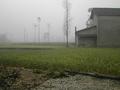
(12, 78)
(80, 82)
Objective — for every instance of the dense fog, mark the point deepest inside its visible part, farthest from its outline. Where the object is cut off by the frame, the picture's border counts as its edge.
(19, 18)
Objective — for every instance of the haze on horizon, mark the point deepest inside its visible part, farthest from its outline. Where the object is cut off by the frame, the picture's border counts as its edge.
(17, 15)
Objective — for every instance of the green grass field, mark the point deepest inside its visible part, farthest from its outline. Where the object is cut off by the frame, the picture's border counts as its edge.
(31, 45)
(96, 60)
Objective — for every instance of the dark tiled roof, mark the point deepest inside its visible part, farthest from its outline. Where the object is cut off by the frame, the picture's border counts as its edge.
(105, 12)
(88, 35)
(86, 29)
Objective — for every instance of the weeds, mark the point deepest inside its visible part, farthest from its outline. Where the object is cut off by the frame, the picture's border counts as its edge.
(98, 60)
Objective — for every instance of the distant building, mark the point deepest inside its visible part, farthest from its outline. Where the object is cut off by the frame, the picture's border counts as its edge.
(3, 38)
(103, 29)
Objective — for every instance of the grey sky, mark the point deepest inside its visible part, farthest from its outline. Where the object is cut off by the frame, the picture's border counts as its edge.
(17, 14)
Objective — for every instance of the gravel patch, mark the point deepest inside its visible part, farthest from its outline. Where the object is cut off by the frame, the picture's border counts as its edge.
(80, 82)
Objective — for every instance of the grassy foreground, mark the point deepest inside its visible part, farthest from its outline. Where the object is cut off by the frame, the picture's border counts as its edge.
(99, 60)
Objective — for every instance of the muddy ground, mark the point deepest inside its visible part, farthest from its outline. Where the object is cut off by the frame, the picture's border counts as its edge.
(12, 78)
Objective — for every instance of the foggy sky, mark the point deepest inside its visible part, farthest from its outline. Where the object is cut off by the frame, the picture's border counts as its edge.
(15, 15)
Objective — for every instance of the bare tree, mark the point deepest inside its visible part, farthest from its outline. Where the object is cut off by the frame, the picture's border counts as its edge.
(67, 6)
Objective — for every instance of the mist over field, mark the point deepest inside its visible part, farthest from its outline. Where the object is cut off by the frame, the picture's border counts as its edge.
(18, 17)
(42, 47)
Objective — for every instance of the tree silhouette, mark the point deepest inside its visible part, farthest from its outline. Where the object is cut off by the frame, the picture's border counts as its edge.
(67, 6)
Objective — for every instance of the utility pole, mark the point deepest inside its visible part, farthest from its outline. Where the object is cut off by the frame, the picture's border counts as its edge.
(24, 35)
(75, 36)
(67, 21)
(35, 28)
(48, 32)
(39, 20)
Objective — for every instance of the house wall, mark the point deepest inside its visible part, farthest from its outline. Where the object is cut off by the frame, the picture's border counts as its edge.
(108, 31)
(87, 42)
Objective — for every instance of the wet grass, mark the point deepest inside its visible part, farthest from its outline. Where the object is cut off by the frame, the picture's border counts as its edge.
(98, 60)
(31, 45)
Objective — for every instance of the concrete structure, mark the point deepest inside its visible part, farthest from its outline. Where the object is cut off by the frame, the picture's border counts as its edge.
(103, 29)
